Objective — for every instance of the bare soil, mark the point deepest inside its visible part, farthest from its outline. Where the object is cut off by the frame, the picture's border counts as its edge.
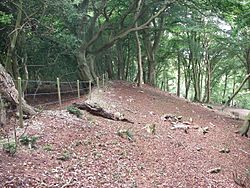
(88, 152)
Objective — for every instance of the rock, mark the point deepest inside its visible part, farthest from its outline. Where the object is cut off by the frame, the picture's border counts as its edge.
(198, 149)
(117, 115)
(180, 126)
(179, 118)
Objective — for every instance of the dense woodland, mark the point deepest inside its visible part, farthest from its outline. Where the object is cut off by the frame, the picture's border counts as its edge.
(198, 49)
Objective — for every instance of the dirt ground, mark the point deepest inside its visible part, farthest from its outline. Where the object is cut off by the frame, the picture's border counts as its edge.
(91, 151)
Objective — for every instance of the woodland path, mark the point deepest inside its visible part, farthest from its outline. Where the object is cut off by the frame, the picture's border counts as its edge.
(88, 152)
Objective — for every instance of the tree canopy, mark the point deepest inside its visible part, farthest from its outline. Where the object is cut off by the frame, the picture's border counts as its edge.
(198, 49)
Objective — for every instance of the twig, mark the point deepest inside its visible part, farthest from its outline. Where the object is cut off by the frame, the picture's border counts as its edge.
(244, 151)
(241, 181)
(23, 132)
(69, 183)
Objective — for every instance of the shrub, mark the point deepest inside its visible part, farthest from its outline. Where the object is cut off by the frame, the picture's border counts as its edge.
(28, 140)
(126, 134)
(48, 147)
(9, 148)
(75, 111)
(64, 156)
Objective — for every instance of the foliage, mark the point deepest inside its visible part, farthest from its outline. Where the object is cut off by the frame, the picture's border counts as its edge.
(5, 18)
(48, 147)
(10, 148)
(65, 155)
(83, 39)
(75, 111)
(28, 140)
(127, 134)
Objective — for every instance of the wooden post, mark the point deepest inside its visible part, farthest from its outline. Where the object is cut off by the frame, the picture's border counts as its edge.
(90, 89)
(59, 91)
(103, 80)
(97, 83)
(19, 87)
(78, 89)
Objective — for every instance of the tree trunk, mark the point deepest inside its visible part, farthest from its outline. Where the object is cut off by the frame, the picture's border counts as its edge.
(151, 70)
(208, 90)
(138, 43)
(225, 86)
(110, 66)
(167, 84)
(11, 61)
(234, 83)
(237, 91)
(140, 68)
(151, 43)
(128, 61)
(195, 81)
(178, 75)
(187, 76)
(248, 65)
(86, 67)
(121, 61)
(9, 92)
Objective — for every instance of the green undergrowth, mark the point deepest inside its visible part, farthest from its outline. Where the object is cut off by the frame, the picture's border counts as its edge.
(27, 140)
(75, 111)
(10, 148)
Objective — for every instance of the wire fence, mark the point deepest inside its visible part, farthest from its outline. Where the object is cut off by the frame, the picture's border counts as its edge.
(43, 94)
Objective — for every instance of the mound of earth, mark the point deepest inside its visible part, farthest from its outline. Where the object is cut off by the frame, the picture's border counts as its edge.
(189, 145)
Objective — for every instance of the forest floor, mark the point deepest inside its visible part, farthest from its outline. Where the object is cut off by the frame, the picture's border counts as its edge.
(92, 151)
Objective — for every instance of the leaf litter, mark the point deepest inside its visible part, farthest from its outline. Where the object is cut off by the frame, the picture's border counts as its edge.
(91, 151)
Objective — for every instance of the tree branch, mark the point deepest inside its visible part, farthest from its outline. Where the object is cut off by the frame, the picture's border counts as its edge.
(125, 33)
(237, 91)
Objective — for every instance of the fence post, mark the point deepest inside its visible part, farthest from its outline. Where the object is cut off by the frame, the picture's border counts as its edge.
(90, 89)
(78, 89)
(103, 80)
(59, 91)
(19, 87)
(97, 83)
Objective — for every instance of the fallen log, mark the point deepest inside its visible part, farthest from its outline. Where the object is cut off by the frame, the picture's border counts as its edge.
(96, 110)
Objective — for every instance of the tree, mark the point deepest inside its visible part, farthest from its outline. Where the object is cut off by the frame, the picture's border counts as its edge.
(9, 92)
